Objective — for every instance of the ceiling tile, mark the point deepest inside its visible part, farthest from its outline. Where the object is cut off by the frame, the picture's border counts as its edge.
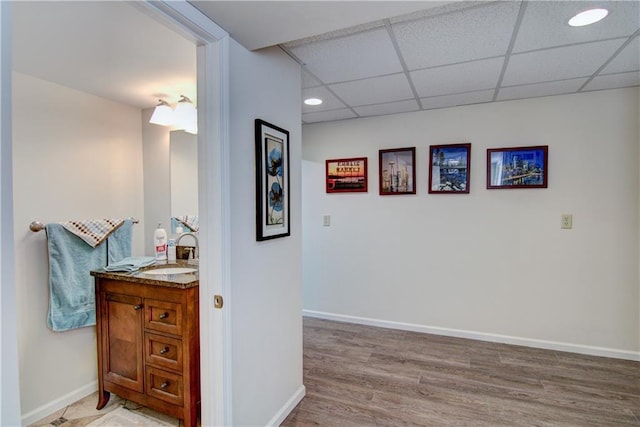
(329, 100)
(545, 23)
(388, 108)
(327, 116)
(357, 56)
(308, 80)
(470, 76)
(612, 81)
(375, 90)
(627, 60)
(474, 33)
(560, 63)
(541, 89)
(457, 99)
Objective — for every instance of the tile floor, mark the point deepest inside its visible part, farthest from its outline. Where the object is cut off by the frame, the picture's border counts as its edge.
(84, 411)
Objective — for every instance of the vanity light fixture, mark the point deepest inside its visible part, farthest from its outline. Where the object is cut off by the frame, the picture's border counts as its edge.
(162, 114)
(186, 116)
(588, 17)
(313, 101)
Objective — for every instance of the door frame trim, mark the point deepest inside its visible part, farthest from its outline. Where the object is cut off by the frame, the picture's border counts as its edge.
(213, 200)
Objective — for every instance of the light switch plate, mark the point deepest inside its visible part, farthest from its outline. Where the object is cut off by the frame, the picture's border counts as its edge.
(326, 220)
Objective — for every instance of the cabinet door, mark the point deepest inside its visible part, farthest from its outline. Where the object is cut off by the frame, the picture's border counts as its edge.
(122, 341)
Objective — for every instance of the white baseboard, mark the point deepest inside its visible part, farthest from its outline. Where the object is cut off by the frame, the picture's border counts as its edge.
(482, 336)
(61, 402)
(288, 407)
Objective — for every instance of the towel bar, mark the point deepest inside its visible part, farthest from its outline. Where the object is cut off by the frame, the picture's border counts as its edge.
(38, 226)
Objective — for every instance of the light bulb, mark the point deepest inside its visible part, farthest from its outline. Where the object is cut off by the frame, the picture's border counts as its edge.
(185, 114)
(162, 114)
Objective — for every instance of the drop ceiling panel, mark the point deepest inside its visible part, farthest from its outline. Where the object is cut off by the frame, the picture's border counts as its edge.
(457, 99)
(540, 89)
(308, 80)
(353, 57)
(475, 33)
(627, 60)
(559, 63)
(545, 23)
(470, 76)
(329, 100)
(328, 116)
(612, 81)
(375, 90)
(388, 108)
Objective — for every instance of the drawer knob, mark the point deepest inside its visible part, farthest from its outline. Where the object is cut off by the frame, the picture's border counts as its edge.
(164, 350)
(164, 315)
(164, 384)
(137, 306)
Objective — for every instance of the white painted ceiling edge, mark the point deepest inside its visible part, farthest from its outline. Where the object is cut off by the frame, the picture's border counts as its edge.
(259, 24)
(152, 60)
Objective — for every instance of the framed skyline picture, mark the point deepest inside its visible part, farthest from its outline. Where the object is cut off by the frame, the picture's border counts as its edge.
(346, 175)
(517, 167)
(397, 172)
(449, 168)
(272, 181)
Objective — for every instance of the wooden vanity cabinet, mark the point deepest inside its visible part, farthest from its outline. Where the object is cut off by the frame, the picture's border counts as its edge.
(148, 346)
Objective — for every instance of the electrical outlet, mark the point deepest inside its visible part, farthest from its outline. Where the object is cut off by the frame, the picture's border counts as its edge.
(326, 220)
(566, 221)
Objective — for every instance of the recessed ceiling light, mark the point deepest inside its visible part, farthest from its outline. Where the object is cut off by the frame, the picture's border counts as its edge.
(588, 17)
(313, 101)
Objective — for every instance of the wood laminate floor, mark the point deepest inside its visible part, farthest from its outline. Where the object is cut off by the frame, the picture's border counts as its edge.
(365, 376)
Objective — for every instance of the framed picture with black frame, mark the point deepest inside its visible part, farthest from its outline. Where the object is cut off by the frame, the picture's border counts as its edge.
(517, 167)
(272, 181)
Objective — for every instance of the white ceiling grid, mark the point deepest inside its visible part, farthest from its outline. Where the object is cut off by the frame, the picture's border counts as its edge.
(467, 53)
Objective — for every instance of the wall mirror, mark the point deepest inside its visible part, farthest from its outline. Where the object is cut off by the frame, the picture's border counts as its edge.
(184, 173)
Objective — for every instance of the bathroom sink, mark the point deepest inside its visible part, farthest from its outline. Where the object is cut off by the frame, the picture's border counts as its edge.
(171, 270)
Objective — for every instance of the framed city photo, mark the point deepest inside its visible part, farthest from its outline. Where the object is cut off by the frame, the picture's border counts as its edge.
(449, 167)
(517, 167)
(272, 181)
(346, 175)
(397, 172)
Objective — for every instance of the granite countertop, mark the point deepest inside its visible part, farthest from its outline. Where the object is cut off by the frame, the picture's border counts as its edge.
(182, 281)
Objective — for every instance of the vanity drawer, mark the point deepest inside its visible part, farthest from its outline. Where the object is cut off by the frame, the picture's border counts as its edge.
(164, 316)
(164, 385)
(163, 352)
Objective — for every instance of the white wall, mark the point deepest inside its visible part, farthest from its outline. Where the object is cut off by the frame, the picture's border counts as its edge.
(492, 264)
(266, 298)
(75, 156)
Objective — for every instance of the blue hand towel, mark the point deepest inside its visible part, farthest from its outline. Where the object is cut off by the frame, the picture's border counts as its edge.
(119, 242)
(131, 264)
(71, 287)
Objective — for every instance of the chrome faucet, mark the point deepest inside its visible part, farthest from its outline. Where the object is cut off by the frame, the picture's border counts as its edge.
(195, 237)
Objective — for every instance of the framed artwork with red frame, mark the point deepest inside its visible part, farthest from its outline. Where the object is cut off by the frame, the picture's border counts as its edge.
(449, 168)
(517, 167)
(346, 175)
(397, 171)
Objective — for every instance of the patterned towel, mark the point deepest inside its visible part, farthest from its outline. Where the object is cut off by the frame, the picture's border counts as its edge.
(191, 221)
(93, 232)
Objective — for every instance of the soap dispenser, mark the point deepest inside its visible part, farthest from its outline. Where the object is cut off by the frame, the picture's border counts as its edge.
(160, 243)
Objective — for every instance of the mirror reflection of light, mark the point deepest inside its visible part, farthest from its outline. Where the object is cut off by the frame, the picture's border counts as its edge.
(588, 17)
